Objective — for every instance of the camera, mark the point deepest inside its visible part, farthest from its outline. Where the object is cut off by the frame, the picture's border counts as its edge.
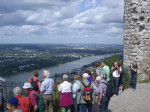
(130, 66)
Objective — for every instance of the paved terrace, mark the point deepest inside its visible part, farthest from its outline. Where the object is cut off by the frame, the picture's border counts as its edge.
(132, 101)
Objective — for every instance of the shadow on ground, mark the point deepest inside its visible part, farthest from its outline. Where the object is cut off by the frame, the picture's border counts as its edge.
(109, 110)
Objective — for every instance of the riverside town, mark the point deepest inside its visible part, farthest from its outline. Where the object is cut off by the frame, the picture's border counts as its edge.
(74, 55)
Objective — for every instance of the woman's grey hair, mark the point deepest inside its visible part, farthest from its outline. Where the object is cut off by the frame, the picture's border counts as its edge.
(65, 77)
(17, 91)
(46, 73)
(98, 78)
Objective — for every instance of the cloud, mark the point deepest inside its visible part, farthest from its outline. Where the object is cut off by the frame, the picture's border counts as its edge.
(61, 21)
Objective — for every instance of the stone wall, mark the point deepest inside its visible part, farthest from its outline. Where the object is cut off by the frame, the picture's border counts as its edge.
(137, 36)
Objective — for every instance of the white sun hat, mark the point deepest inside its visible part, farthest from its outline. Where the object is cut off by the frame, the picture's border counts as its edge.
(27, 85)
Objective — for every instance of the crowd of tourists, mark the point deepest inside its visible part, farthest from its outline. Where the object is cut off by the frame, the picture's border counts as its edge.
(92, 93)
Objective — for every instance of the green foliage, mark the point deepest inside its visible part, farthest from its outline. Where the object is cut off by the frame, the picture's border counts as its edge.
(126, 82)
(145, 81)
(15, 59)
(110, 62)
(56, 99)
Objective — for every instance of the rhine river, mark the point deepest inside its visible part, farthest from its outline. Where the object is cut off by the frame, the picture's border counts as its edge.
(61, 68)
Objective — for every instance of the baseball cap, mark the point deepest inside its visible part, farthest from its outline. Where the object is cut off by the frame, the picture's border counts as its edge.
(13, 101)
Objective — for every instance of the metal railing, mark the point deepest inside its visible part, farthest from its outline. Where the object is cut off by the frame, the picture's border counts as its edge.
(7, 91)
(7, 88)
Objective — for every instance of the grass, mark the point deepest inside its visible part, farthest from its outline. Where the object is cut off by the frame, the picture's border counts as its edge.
(56, 100)
(126, 82)
(145, 81)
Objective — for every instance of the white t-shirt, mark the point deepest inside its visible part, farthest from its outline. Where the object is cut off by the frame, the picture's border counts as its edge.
(65, 87)
(116, 73)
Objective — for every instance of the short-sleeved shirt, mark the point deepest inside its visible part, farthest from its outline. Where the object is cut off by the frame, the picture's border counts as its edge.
(102, 87)
(96, 84)
(90, 79)
(32, 99)
(19, 110)
(65, 87)
(24, 102)
(132, 72)
(16, 111)
(35, 79)
(107, 70)
(75, 85)
(98, 71)
(116, 73)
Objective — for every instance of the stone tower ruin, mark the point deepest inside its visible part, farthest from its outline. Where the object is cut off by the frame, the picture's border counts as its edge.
(137, 36)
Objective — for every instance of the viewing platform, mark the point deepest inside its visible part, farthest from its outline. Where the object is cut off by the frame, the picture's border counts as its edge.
(132, 101)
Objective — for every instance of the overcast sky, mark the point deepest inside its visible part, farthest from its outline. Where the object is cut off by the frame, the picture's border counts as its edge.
(61, 21)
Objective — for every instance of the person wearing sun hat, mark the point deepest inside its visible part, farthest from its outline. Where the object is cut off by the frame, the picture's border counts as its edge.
(12, 104)
(33, 99)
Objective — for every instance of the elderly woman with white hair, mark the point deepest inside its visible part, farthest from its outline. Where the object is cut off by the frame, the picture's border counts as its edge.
(66, 98)
(23, 101)
(47, 90)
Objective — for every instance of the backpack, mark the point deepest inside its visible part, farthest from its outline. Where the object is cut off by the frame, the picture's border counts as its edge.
(87, 94)
(41, 104)
(103, 73)
(109, 90)
(123, 71)
(34, 84)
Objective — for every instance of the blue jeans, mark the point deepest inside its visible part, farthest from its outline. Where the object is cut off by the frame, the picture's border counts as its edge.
(115, 84)
(104, 104)
(75, 104)
(133, 81)
(84, 106)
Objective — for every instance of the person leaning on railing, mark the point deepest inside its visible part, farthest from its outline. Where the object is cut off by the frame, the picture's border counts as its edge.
(47, 90)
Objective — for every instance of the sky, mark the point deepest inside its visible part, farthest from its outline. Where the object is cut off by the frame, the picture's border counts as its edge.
(61, 21)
